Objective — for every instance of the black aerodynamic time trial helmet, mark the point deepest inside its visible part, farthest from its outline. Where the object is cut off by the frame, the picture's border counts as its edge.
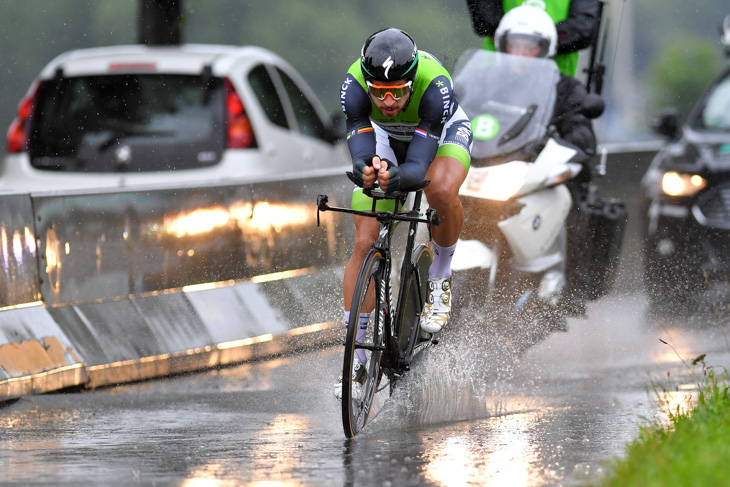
(389, 55)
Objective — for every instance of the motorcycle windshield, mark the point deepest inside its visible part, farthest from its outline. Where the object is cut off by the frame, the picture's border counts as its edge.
(713, 112)
(509, 100)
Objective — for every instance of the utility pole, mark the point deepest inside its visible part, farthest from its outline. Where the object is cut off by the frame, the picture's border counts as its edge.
(160, 22)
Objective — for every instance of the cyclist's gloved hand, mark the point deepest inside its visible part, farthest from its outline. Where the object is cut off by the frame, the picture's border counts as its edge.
(394, 181)
(357, 170)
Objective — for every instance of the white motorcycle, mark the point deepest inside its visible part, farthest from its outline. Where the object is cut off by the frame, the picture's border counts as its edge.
(511, 263)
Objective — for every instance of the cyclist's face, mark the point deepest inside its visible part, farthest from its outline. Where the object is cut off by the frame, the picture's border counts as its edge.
(389, 106)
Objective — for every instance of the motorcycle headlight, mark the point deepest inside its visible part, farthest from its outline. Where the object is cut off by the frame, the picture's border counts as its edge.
(495, 183)
(682, 184)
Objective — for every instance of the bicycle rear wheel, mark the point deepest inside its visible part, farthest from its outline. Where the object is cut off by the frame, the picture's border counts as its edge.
(359, 381)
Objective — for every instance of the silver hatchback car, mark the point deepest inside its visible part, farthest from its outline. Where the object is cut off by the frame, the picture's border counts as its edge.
(131, 116)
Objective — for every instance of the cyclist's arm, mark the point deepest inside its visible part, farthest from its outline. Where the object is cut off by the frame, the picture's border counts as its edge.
(485, 16)
(437, 104)
(357, 107)
(575, 128)
(578, 30)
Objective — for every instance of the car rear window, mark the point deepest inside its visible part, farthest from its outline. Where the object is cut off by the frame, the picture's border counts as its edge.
(265, 90)
(128, 122)
(308, 122)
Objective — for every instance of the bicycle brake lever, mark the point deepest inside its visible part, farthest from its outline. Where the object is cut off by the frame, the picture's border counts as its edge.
(321, 205)
(322, 201)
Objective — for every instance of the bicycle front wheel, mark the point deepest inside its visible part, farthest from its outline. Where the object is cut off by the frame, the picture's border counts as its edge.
(412, 299)
(361, 365)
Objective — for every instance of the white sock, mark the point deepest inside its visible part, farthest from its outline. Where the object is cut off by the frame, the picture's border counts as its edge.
(441, 265)
(362, 330)
(360, 334)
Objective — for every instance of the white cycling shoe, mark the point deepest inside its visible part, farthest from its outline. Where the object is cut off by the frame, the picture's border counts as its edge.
(359, 376)
(437, 311)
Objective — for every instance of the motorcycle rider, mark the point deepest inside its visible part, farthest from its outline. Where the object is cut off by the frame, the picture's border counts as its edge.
(576, 23)
(404, 125)
(529, 31)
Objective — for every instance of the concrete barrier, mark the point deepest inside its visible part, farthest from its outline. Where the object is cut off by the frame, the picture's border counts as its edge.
(119, 286)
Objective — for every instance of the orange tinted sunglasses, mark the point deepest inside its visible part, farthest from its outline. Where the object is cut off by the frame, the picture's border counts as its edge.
(397, 91)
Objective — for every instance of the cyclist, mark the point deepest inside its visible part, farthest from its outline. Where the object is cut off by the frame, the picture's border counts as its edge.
(404, 125)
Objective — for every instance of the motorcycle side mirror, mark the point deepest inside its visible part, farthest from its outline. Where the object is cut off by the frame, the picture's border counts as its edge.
(667, 123)
(592, 106)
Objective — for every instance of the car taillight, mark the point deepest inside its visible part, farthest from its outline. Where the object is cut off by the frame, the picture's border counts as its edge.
(18, 131)
(240, 132)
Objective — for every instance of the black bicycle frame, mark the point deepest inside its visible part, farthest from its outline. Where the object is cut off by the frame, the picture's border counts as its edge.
(388, 220)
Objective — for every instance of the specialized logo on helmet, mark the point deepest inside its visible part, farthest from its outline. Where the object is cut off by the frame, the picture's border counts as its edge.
(387, 65)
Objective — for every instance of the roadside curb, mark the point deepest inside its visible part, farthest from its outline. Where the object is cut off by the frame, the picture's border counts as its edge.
(220, 355)
(267, 346)
(43, 382)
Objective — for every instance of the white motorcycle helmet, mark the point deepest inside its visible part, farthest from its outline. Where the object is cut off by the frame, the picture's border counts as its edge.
(529, 22)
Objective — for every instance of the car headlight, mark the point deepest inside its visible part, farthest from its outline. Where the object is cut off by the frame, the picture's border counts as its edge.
(497, 182)
(682, 184)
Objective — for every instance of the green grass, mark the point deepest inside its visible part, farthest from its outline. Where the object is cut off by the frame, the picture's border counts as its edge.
(691, 448)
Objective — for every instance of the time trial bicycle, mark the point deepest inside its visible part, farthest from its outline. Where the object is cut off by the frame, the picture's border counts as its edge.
(393, 337)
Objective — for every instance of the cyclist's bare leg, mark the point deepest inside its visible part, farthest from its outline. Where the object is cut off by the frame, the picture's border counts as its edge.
(366, 231)
(446, 175)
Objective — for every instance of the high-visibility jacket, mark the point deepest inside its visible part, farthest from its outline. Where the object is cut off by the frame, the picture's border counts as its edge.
(576, 22)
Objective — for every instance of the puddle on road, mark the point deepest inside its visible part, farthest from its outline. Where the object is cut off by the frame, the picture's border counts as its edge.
(472, 412)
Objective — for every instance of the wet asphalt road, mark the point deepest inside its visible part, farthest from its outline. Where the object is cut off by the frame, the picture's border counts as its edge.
(467, 415)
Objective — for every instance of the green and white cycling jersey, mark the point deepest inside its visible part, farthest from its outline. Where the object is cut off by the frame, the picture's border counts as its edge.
(416, 134)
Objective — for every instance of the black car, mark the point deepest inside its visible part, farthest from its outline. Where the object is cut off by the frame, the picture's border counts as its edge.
(687, 213)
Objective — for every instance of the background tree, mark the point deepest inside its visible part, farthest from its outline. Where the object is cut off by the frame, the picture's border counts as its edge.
(681, 73)
(320, 39)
